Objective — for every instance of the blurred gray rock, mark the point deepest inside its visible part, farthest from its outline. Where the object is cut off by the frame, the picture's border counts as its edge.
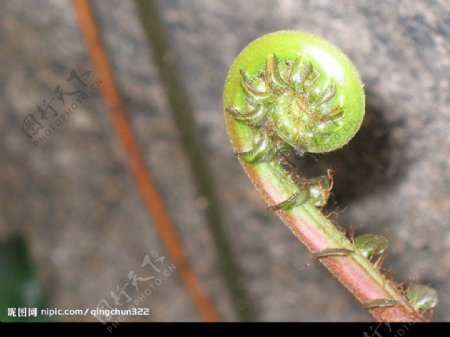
(82, 215)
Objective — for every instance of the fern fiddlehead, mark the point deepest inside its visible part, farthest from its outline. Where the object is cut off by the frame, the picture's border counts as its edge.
(295, 92)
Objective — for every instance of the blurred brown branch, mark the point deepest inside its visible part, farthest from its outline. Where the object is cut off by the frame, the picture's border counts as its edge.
(140, 173)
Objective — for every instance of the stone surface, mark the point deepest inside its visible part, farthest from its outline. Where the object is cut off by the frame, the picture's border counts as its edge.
(76, 201)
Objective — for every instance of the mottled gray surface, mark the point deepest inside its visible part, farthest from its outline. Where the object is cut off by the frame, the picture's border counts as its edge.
(76, 202)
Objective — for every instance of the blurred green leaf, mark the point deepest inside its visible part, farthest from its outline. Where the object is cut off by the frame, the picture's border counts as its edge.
(19, 284)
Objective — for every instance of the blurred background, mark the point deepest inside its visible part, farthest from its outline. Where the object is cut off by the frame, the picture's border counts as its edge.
(75, 232)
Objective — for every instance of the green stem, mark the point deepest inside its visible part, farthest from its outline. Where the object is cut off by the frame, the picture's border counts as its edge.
(189, 137)
(357, 273)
